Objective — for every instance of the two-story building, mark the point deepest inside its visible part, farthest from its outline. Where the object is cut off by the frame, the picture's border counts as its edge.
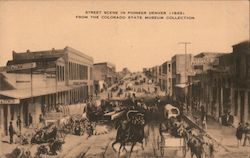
(108, 72)
(36, 82)
(181, 69)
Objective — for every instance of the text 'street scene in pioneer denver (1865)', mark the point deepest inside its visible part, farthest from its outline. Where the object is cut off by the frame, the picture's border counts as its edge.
(125, 79)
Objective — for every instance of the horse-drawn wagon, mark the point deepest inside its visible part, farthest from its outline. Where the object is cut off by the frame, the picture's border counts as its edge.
(172, 133)
(166, 140)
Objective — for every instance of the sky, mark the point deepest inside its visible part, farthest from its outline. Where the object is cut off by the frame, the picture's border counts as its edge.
(43, 25)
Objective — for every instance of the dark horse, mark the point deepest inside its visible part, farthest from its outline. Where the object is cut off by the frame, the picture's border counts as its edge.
(200, 147)
(128, 133)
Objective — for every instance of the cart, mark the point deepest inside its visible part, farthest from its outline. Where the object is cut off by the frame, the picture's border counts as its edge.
(167, 141)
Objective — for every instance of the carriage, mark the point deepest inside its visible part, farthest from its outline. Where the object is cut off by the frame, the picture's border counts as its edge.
(167, 139)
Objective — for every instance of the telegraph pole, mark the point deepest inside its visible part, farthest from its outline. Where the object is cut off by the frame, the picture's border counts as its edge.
(186, 77)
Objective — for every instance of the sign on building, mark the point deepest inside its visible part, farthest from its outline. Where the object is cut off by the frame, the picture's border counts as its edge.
(9, 101)
(203, 61)
(18, 67)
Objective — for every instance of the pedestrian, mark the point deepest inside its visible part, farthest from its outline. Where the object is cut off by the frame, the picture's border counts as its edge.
(41, 120)
(11, 132)
(230, 119)
(44, 109)
(239, 133)
(247, 134)
(204, 122)
(203, 113)
(30, 120)
(19, 123)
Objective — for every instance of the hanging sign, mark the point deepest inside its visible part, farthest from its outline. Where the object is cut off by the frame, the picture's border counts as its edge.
(9, 101)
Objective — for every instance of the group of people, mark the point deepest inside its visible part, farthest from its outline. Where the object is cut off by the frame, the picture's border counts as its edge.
(243, 130)
(57, 108)
(19, 125)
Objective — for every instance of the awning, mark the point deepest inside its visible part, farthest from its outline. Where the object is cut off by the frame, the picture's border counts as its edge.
(26, 93)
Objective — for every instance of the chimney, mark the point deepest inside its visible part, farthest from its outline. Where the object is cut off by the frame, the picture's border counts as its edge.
(13, 55)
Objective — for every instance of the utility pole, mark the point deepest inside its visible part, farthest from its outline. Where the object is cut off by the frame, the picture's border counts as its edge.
(186, 77)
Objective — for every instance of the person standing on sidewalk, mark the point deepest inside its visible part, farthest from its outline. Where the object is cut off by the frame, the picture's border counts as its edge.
(19, 123)
(247, 134)
(30, 120)
(239, 133)
(11, 132)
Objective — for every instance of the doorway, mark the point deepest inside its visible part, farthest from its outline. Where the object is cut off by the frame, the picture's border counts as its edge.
(242, 108)
(25, 113)
(5, 117)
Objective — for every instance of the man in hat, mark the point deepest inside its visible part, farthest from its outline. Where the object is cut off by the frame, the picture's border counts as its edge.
(11, 132)
(19, 123)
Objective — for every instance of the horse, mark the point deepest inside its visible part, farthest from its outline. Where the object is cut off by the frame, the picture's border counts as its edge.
(136, 135)
(196, 146)
(121, 135)
(200, 146)
(127, 132)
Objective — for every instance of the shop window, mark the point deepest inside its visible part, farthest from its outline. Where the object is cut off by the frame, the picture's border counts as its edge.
(63, 77)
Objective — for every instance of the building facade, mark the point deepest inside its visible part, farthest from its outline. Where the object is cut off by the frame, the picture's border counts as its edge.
(226, 87)
(181, 69)
(59, 76)
(201, 64)
(108, 72)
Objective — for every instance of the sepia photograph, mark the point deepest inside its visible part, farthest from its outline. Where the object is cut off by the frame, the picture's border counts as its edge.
(124, 79)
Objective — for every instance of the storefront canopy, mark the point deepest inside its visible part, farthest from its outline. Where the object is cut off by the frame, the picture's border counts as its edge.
(26, 93)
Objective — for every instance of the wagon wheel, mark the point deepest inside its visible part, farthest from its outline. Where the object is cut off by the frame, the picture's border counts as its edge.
(158, 142)
(184, 151)
(162, 146)
(162, 151)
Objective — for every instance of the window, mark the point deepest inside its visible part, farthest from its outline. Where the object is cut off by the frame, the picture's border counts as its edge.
(58, 73)
(70, 70)
(63, 78)
(83, 72)
(91, 73)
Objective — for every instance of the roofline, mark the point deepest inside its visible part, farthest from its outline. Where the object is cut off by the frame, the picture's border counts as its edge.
(66, 48)
(242, 42)
(102, 63)
(79, 53)
(214, 53)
